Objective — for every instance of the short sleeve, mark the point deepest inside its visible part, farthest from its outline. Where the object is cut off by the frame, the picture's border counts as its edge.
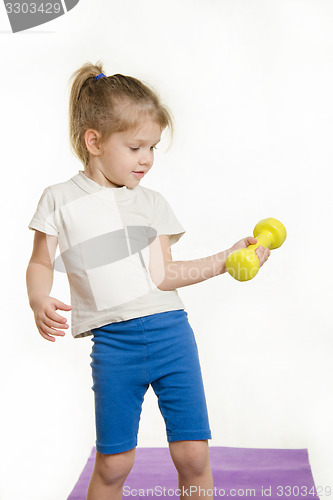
(44, 218)
(165, 221)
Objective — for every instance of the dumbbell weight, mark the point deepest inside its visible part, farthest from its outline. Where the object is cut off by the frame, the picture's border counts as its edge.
(243, 264)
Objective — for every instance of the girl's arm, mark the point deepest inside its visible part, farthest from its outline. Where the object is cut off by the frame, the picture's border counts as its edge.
(39, 275)
(39, 279)
(169, 275)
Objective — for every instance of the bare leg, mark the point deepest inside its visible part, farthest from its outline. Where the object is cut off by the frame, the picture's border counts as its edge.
(191, 459)
(109, 474)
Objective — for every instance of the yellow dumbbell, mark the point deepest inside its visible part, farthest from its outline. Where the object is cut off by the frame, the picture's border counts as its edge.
(243, 264)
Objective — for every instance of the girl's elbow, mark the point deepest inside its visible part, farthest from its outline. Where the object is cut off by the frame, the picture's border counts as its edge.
(160, 284)
(158, 277)
(163, 287)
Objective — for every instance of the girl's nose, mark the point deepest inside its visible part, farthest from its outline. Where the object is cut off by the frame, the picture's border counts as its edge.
(147, 158)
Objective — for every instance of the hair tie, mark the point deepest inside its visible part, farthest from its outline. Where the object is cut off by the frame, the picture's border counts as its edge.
(99, 76)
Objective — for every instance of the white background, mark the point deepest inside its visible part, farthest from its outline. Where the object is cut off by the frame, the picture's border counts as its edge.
(250, 85)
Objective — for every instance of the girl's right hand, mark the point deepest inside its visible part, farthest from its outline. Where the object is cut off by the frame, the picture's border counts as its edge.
(262, 253)
(47, 319)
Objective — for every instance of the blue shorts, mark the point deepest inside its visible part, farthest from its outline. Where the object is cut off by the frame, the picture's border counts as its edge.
(127, 356)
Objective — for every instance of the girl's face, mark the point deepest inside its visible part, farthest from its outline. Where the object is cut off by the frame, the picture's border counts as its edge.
(127, 156)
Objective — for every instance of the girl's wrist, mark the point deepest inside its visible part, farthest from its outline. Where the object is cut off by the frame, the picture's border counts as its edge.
(221, 259)
(36, 300)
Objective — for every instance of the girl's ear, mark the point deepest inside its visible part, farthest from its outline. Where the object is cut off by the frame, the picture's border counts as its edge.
(92, 141)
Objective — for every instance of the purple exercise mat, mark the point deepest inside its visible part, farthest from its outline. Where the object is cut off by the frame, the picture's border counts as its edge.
(237, 473)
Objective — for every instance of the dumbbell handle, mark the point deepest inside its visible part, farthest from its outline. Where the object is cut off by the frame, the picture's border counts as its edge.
(264, 239)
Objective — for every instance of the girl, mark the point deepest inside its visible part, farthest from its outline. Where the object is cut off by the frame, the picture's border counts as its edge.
(115, 237)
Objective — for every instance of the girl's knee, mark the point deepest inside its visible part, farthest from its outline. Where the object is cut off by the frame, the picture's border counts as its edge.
(114, 469)
(191, 458)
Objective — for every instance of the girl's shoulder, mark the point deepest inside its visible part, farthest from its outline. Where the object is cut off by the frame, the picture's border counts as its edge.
(60, 186)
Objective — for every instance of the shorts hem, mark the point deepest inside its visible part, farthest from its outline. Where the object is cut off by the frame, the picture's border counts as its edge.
(188, 435)
(116, 448)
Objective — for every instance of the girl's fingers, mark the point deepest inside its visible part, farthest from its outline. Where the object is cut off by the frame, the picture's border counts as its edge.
(263, 254)
(48, 330)
(49, 322)
(55, 317)
(45, 335)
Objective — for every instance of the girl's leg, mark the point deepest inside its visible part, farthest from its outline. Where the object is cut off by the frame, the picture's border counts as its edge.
(191, 459)
(109, 474)
(120, 383)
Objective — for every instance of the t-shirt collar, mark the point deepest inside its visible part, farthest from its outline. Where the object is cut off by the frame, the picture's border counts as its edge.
(90, 186)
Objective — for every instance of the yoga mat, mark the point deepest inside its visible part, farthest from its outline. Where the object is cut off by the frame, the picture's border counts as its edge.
(237, 473)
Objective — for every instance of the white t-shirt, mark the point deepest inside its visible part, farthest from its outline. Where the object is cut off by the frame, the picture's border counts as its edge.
(103, 241)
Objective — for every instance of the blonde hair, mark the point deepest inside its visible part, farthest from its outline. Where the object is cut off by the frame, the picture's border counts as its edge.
(110, 104)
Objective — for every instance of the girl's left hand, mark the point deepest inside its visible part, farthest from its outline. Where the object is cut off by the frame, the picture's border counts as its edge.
(262, 253)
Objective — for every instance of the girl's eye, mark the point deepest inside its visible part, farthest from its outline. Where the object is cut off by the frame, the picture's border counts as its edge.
(136, 149)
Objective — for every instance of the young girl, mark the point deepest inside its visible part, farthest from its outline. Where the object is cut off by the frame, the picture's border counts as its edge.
(115, 237)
